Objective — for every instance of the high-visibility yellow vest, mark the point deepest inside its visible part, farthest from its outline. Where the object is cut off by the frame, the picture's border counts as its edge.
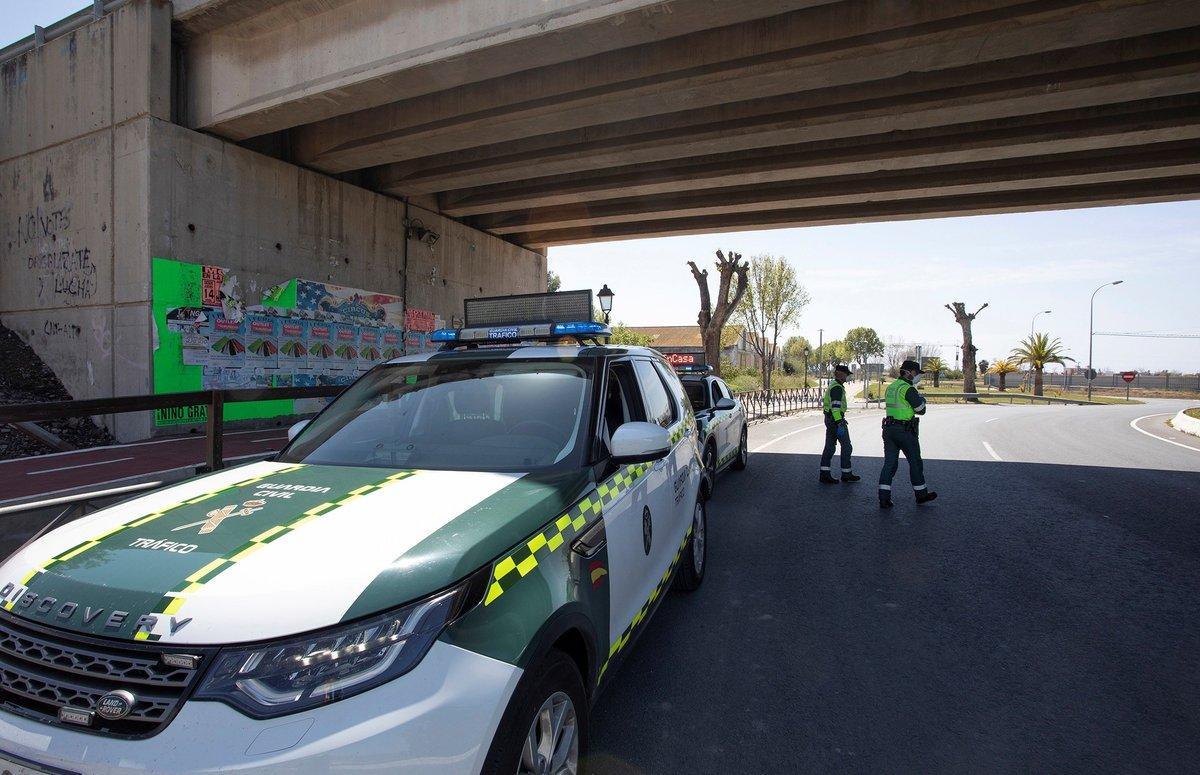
(827, 402)
(896, 399)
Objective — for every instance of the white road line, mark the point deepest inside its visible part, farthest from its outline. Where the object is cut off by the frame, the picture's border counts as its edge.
(992, 452)
(992, 420)
(1134, 424)
(81, 465)
(761, 447)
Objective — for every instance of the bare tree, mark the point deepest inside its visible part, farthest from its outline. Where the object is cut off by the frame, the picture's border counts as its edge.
(959, 310)
(894, 353)
(712, 319)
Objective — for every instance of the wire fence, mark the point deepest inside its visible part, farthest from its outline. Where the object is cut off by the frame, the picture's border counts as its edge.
(761, 404)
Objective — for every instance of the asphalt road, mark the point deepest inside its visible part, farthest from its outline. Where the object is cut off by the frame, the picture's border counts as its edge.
(1043, 615)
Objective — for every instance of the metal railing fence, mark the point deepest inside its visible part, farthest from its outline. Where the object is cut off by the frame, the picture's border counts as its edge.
(761, 404)
(213, 400)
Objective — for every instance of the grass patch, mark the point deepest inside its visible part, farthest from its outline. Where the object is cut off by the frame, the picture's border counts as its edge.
(1193, 412)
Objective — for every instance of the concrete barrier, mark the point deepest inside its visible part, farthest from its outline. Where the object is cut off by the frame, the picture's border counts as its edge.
(1186, 423)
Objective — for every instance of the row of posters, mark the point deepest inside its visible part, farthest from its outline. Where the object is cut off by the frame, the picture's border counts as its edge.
(299, 333)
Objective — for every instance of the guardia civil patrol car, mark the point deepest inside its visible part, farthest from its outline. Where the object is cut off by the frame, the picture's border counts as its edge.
(720, 422)
(437, 574)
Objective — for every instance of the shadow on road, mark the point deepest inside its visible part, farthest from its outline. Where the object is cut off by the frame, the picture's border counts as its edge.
(1036, 618)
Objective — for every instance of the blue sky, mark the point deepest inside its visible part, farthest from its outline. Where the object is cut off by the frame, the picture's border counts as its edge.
(895, 277)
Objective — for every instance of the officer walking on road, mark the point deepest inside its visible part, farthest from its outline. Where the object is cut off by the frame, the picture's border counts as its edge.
(900, 431)
(835, 403)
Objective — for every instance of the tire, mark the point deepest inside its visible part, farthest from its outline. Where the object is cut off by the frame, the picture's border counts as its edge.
(709, 461)
(530, 715)
(743, 456)
(694, 561)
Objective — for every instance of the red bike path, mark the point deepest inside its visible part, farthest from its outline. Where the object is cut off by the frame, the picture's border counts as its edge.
(105, 466)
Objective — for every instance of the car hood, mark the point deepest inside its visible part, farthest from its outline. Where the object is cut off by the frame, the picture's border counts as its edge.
(274, 549)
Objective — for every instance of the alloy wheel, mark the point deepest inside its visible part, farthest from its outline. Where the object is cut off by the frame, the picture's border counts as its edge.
(552, 744)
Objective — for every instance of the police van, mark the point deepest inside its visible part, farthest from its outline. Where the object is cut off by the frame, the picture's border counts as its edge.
(437, 574)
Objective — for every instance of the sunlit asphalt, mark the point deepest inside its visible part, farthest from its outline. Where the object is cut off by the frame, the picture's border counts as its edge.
(1041, 616)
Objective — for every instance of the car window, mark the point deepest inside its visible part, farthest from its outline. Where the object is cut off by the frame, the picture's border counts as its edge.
(660, 408)
(725, 391)
(716, 391)
(697, 393)
(491, 415)
(674, 387)
(622, 400)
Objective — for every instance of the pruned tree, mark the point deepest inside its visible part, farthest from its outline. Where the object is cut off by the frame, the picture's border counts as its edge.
(733, 280)
(959, 310)
(773, 302)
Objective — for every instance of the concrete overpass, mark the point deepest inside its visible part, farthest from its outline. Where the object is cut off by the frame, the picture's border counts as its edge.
(569, 121)
(328, 139)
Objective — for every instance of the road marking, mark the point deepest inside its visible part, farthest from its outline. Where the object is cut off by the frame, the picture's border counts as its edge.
(992, 420)
(1134, 424)
(761, 447)
(81, 465)
(992, 452)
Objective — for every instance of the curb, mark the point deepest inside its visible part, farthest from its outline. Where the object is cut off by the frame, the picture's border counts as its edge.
(1185, 423)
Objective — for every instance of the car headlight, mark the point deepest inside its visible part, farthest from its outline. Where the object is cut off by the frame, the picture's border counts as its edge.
(266, 680)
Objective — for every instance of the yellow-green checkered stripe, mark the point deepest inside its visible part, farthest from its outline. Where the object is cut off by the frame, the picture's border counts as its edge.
(85, 546)
(525, 558)
(644, 611)
(173, 600)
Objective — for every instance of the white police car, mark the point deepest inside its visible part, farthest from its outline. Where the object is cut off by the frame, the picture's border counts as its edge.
(437, 575)
(720, 420)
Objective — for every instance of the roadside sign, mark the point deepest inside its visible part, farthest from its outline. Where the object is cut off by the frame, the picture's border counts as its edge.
(684, 359)
(1128, 376)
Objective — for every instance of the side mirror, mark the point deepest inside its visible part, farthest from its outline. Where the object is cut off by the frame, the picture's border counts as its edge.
(640, 442)
(295, 429)
(725, 404)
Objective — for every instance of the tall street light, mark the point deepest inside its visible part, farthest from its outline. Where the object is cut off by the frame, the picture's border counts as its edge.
(1035, 317)
(1091, 321)
(606, 297)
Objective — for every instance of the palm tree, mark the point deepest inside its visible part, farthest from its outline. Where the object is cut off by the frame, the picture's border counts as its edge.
(1039, 350)
(935, 366)
(1002, 368)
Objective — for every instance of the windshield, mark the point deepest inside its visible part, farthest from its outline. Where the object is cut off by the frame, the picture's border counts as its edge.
(493, 415)
(697, 393)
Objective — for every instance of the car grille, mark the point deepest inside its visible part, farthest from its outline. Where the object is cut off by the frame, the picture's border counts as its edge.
(43, 670)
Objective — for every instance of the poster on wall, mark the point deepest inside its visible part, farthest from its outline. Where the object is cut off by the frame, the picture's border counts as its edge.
(303, 333)
(262, 341)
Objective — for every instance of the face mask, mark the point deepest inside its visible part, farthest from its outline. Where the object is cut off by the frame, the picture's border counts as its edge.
(916, 380)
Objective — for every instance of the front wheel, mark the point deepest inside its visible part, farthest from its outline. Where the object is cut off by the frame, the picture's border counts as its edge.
(709, 461)
(694, 560)
(544, 731)
(743, 454)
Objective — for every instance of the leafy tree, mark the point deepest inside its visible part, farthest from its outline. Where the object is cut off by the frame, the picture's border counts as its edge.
(862, 343)
(959, 310)
(1039, 351)
(1002, 368)
(935, 366)
(773, 301)
(623, 334)
(793, 353)
(553, 281)
(712, 319)
(829, 354)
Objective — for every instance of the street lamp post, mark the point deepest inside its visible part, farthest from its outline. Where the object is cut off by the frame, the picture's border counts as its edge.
(806, 351)
(1091, 321)
(605, 295)
(1035, 317)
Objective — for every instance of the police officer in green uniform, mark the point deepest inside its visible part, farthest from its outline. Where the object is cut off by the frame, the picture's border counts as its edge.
(834, 404)
(900, 431)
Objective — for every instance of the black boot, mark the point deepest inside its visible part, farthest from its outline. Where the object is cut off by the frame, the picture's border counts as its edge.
(885, 503)
(924, 496)
(848, 477)
(827, 479)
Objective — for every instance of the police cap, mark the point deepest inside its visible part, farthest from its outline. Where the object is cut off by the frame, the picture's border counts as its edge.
(912, 366)
(842, 368)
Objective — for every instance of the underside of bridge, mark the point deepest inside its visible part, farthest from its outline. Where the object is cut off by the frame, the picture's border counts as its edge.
(560, 122)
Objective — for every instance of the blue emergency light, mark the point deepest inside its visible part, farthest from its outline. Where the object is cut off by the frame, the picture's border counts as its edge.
(529, 317)
(444, 335)
(693, 368)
